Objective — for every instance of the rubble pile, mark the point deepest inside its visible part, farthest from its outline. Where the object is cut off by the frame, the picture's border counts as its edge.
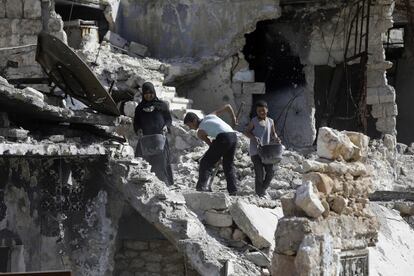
(287, 176)
(328, 213)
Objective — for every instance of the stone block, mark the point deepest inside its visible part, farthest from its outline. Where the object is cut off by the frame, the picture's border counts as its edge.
(254, 88)
(201, 201)
(32, 9)
(323, 182)
(238, 235)
(289, 207)
(378, 111)
(386, 125)
(226, 233)
(338, 204)
(137, 49)
(361, 141)
(283, 265)
(390, 109)
(14, 9)
(244, 76)
(55, 24)
(386, 94)
(259, 224)
(218, 219)
(258, 258)
(290, 233)
(308, 200)
(376, 78)
(372, 96)
(15, 133)
(332, 144)
(115, 39)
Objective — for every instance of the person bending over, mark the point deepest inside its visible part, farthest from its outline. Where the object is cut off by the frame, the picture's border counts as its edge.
(222, 141)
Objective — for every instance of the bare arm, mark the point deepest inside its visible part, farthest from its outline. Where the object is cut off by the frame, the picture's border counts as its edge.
(227, 108)
(276, 138)
(203, 136)
(248, 131)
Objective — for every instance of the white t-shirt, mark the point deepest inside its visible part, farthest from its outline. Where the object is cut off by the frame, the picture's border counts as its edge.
(213, 126)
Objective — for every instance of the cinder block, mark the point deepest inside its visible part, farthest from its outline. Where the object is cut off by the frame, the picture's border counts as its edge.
(32, 9)
(14, 9)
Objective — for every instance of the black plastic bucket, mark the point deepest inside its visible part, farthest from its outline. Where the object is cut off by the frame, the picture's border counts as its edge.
(270, 154)
(152, 144)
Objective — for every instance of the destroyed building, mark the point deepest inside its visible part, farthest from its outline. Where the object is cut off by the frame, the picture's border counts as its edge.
(336, 76)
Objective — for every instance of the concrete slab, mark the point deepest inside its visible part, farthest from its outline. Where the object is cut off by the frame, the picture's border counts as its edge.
(259, 224)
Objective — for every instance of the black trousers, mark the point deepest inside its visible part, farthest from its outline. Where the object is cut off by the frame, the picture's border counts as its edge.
(160, 164)
(223, 146)
(263, 175)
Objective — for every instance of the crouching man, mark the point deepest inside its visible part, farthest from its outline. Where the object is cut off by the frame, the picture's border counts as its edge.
(222, 140)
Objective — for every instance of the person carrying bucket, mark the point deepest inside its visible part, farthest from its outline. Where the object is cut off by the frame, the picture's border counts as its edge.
(152, 117)
(222, 140)
(261, 131)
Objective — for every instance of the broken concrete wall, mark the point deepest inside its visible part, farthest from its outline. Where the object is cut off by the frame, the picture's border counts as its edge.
(178, 28)
(20, 23)
(64, 216)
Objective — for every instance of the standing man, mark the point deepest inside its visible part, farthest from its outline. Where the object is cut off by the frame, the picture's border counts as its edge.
(261, 131)
(222, 140)
(152, 116)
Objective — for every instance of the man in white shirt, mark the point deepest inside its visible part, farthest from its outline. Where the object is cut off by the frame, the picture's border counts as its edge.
(222, 140)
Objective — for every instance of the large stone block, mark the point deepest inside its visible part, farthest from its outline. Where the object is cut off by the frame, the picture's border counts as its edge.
(360, 140)
(386, 125)
(290, 233)
(323, 182)
(332, 144)
(115, 39)
(218, 219)
(32, 9)
(259, 224)
(138, 49)
(14, 9)
(308, 200)
(202, 201)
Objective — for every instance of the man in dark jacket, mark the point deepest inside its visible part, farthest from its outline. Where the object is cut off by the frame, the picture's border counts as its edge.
(151, 116)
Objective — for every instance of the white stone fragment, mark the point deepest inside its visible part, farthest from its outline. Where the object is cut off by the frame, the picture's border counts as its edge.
(332, 144)
(259, 224)
(308, 200)
(202, 201)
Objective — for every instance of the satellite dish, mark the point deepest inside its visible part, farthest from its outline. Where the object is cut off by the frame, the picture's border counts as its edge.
(67, 70)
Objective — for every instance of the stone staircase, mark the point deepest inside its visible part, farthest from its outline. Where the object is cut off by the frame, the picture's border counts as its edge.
(179, 106)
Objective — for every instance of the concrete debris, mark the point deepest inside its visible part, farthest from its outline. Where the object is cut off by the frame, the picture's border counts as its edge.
(200, 201)
(323, 182)
(393, 253)
(115, 39)
(138, 49)
(218, 219)
(258, 258)
(308, 200)
(259, 224)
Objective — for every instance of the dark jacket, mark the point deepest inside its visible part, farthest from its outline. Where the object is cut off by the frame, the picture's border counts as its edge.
(152, 116)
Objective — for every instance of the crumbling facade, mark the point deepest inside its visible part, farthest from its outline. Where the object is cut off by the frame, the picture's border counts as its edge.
(73, 196)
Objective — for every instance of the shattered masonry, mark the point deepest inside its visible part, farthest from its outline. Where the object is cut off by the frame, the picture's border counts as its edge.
(74, 197)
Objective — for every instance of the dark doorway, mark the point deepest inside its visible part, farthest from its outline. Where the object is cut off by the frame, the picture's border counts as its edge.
(5, 254)
(274, 62)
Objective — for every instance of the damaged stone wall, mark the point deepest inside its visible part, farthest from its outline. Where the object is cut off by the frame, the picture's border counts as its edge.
(178, 28)
(20, 23)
